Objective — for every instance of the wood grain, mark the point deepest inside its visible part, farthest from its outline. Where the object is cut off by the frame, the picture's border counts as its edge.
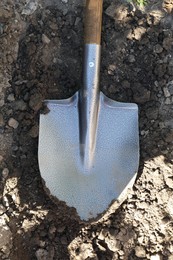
(93, 21)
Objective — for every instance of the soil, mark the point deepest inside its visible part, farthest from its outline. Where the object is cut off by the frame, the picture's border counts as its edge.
(41, 44)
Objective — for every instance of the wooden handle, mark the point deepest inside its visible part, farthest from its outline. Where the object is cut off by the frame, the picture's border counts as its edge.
(93, 21)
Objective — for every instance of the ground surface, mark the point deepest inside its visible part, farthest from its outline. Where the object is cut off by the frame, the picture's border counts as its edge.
(40, 57)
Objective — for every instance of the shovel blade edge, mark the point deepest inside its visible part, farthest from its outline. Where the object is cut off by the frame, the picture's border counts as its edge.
(115, 159)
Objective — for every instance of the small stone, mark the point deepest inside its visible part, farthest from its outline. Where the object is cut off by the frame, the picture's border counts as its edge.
(140, 251)
(130, 35)
(54, 60)
(1, 120)
(141, 96)
(144, 133)
(20, 82)
(65, 11)
(161, 125)
(155, 257)
(152, 113)
(13, 123)
(15, 148)
(169, 247)
(138, 32)
(169, 181)
(131, 58)
(160, 70)
(42, 243)
(61, 229)
(87, 252)
(111, 69)
(5, 173)
(167, 43)
(120, 252)
(169, 123)
(168, 101)
(36, 101)
(168, 137)
(170, 87)
(20, 105)
(30, 7)
(141, 21)
(110, 11)
(11, 97)
(143, 205)
(52, 229)
(64, 1)
(167, 6)
(26, 96)
(166, 92)
(77, 21)
(140, 239)
(158, 48)
(41, 254)
(111, 244)
(170, 60)
(45, 39)
(34, 131)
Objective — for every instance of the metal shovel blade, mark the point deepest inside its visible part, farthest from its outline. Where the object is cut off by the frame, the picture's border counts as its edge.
(88, 144)
(91, 182)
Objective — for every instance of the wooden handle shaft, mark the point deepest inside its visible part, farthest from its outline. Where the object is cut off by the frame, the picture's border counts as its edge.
(93, 21)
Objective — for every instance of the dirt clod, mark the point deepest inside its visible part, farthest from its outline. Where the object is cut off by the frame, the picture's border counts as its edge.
(140, 252)
(13, 123)
(41, 254)
(36, 101)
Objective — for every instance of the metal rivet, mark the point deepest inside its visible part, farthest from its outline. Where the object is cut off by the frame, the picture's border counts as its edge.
(91, 64)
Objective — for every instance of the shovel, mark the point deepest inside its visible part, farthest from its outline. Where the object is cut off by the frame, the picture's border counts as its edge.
(88, 143)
